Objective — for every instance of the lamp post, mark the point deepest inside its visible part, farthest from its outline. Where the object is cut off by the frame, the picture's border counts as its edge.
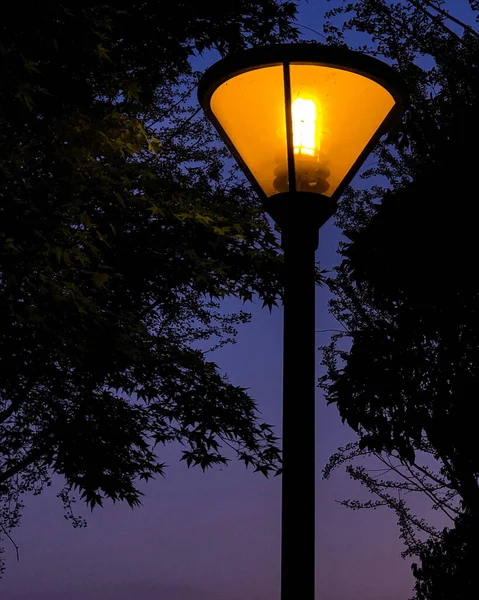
(300, 119)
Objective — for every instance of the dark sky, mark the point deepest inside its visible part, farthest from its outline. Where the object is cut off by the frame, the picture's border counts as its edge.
(216, 536)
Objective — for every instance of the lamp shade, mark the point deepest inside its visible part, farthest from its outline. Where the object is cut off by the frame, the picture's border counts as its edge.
(301, 117)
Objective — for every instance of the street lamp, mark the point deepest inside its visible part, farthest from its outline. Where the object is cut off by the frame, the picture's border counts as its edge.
(300, 119)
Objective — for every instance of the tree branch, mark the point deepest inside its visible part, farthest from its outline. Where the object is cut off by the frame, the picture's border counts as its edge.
(446, 15)
(436, 19)
(420, 486)
(27, 461)
(11, 539)
(433, 477)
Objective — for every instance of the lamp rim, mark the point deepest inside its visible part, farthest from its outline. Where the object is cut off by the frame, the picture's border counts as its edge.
(303, 53)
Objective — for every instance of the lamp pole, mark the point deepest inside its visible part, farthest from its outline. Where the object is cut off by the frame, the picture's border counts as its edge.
(299, 243)
(300, 119)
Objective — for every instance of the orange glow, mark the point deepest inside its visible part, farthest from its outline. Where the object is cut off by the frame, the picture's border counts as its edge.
(250, 108)
(335, 113)
(352, 109)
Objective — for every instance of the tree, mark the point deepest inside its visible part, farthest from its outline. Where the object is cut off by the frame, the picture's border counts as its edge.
(406, 294)
(121, 230)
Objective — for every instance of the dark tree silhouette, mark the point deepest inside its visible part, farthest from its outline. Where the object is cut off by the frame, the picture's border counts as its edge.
(406, 290)
(120, 233)
(448, 568)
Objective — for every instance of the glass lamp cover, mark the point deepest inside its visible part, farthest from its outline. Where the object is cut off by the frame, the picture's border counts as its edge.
(251, 109)
(334, 113)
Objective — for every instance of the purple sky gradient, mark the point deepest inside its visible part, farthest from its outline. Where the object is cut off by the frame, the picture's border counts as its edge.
(216, 535)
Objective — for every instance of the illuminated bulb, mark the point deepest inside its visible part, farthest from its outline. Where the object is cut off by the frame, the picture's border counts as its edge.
(311, 171)
(304, 118)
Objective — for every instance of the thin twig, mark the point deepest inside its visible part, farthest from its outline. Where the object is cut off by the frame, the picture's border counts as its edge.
(420, 486)
(334, 330)
(433, 477)
(313, 30)
(10, 538)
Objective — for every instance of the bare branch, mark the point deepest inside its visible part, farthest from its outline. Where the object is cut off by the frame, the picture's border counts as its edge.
(11, 540)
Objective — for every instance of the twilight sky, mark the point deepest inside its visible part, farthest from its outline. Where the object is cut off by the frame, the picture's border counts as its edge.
(216, 535)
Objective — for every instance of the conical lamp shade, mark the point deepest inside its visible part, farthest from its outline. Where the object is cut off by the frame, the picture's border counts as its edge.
(301, 117)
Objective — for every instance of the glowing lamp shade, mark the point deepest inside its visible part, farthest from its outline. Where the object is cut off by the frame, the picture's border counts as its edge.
(301, 117)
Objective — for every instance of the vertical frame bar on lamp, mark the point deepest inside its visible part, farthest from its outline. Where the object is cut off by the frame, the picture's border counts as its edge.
(289, 127)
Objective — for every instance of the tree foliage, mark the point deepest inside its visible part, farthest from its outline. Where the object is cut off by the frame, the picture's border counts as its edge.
(406, 293)
(448, 566)
(447, 555)
(395, 483)
(121, 230)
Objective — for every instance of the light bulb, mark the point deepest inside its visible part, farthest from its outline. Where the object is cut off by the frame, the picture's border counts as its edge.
(304, 117)
(310, 168)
